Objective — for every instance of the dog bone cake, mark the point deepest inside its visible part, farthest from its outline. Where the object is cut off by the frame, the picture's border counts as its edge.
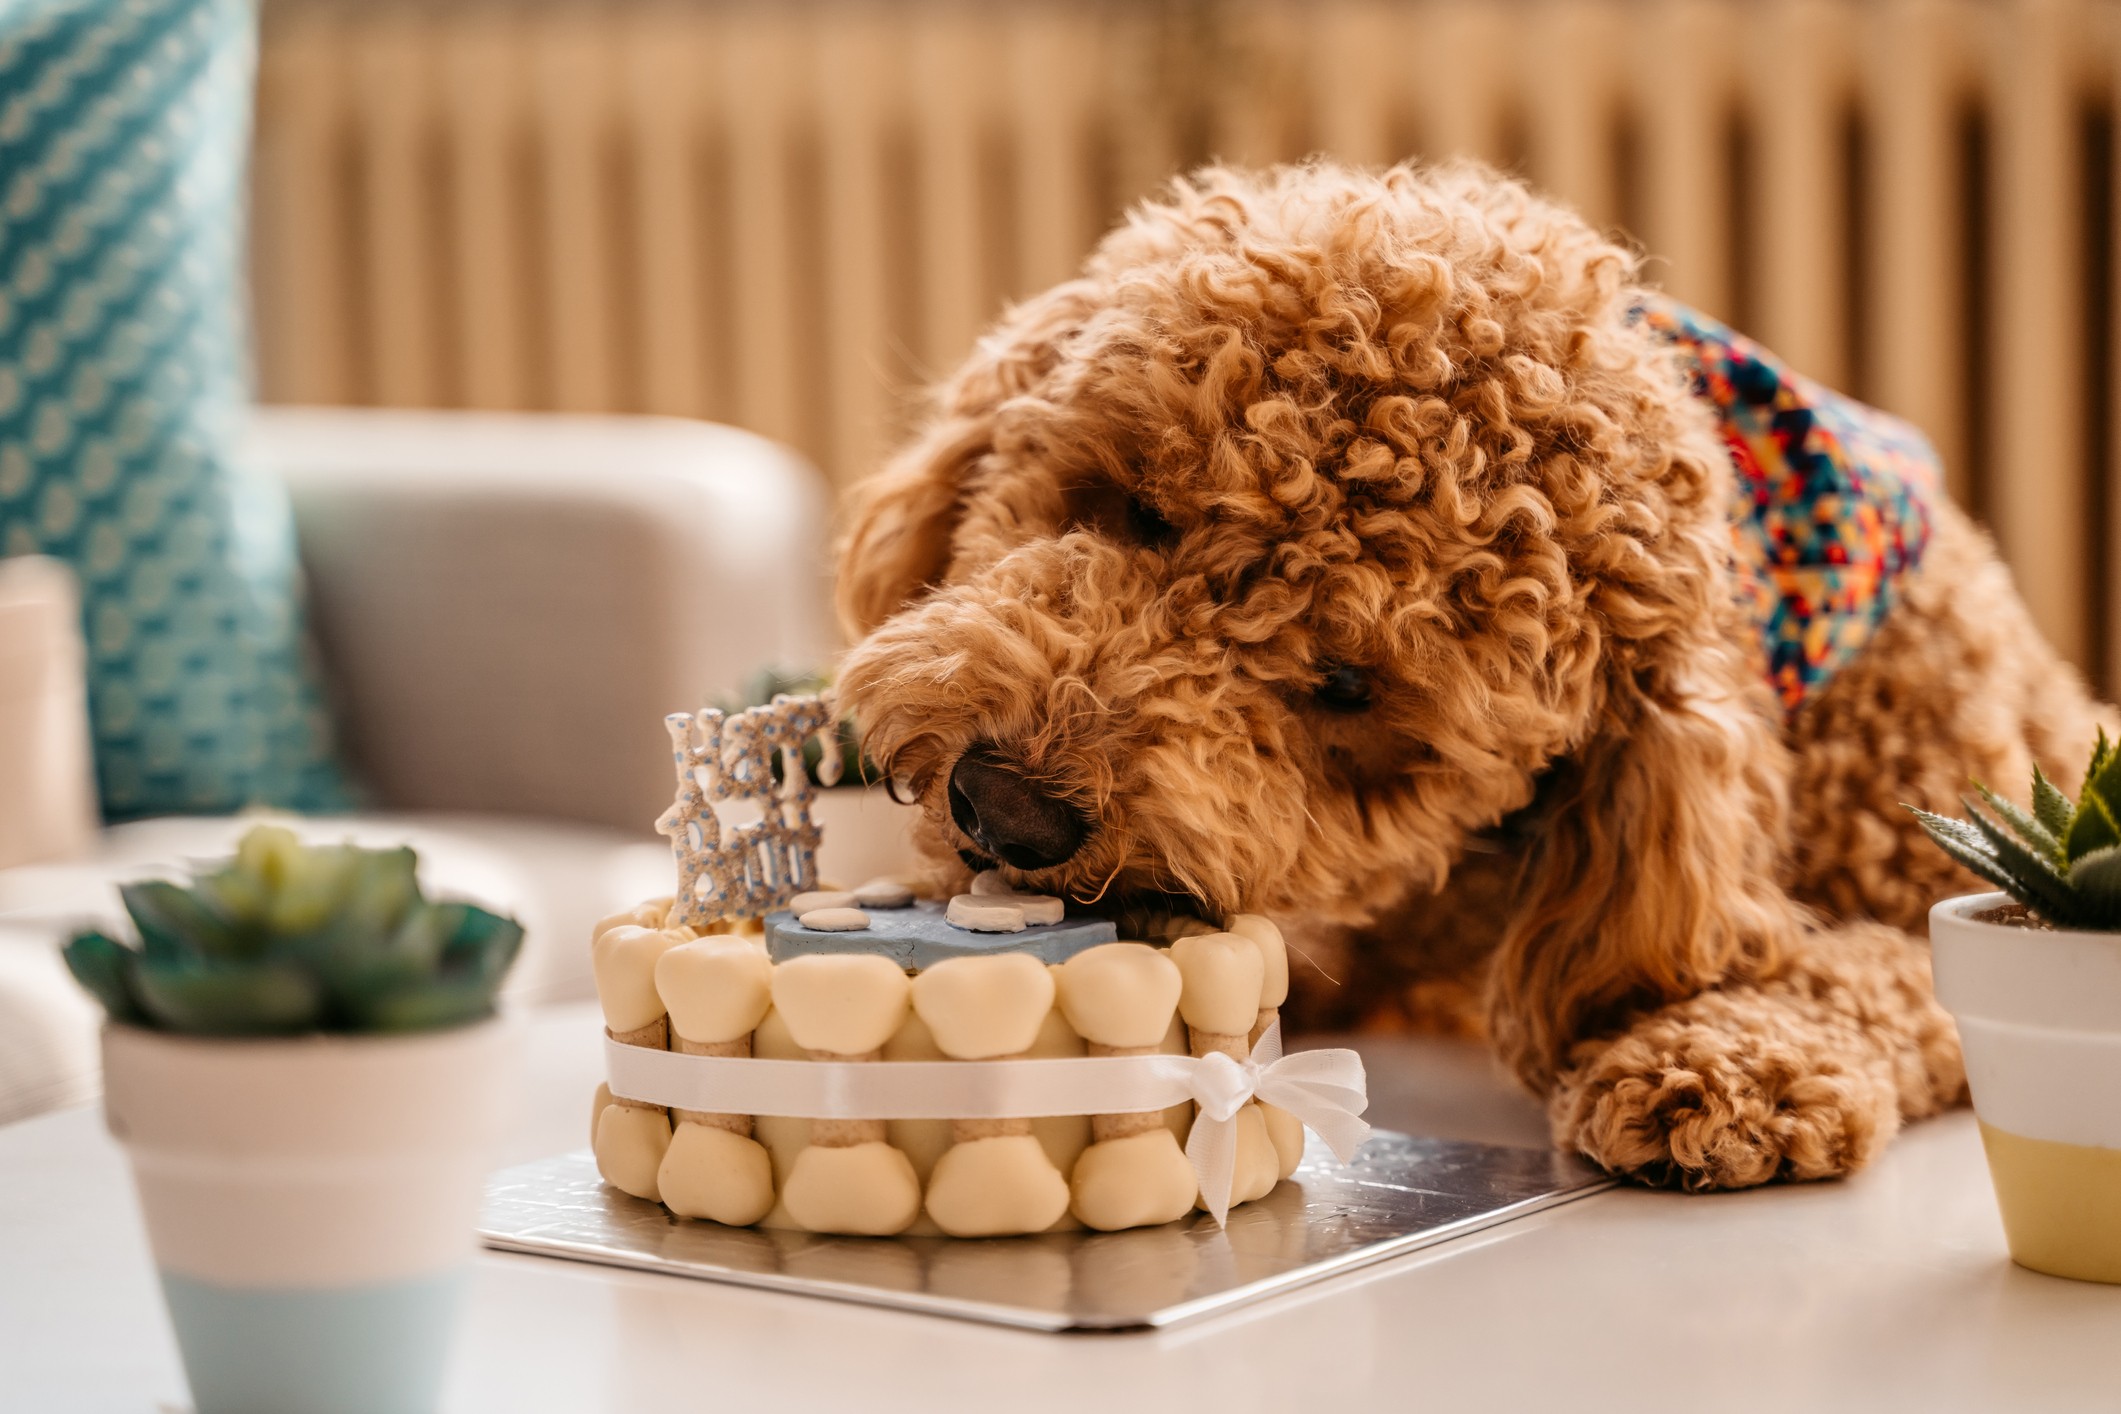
(867, 1062)
(914, 993)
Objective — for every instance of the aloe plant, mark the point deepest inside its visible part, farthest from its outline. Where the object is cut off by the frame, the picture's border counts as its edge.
(2061, 859)
(288, 938)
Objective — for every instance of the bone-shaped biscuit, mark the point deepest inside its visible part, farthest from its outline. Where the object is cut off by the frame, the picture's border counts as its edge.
(653, 913)
(1119, 994)
(866, 1190)
(1223, 975)
(1287, 1134)
(996, 1187)
(883, 893)
(843, 1003)
(834, 920)
(629, 1148)
(708, 1172)
(716, 989)
(1134, 1181)
(821, 898)
(1260, 931)
(623, 962)
(1037, 909)
(978, 1008)
(985, 915)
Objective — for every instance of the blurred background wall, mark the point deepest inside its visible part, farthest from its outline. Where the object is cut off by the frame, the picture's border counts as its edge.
(786, 215)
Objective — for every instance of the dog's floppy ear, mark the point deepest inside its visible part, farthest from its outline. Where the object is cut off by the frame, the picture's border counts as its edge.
(900, 521)
(1653, 874)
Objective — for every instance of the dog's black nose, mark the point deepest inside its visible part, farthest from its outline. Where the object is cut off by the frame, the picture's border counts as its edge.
(1011, 816)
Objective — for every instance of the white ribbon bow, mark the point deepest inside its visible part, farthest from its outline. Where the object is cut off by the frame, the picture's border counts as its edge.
(1324, 1090)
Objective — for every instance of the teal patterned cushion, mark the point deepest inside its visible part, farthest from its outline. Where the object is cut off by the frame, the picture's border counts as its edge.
(123, 378)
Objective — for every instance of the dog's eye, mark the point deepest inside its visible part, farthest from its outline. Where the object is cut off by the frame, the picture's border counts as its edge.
(1146, 525)
(1343, 689)
(1109, 511)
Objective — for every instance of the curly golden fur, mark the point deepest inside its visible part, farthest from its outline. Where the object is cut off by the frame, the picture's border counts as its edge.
(1312, 418)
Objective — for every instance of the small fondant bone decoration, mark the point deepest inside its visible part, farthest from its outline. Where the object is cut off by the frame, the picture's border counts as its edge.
(1119, 998)
(834, 920)
(921, 935)
(1037, 908)
(995, 1179)
(985, 915)
(883, 893)
(844, 1007)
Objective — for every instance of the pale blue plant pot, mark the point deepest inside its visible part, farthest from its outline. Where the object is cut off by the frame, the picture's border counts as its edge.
(312, 1204)
(371, 1349)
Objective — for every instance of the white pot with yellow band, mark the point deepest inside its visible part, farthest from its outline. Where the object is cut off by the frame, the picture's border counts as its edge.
(2039, 1016)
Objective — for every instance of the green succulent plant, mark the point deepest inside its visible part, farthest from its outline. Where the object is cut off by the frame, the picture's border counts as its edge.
(287, 938)
(769, 683)
(2061, 859)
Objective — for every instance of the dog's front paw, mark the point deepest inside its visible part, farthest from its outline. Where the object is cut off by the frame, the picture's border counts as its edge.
(1727, 1100)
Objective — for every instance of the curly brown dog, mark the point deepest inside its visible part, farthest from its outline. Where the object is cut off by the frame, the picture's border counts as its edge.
(1340, 546)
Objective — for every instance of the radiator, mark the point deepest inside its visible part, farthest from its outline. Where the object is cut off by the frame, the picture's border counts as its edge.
(788, 215)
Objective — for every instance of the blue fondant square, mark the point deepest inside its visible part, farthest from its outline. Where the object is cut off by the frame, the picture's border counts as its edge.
(921, 936)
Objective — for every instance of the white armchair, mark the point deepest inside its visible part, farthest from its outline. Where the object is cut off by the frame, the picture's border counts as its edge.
(506, 606)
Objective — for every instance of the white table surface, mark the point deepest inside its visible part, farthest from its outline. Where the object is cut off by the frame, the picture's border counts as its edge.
(1887, 1292)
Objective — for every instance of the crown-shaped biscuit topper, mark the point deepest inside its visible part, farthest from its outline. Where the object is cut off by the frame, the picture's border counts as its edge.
(733, 870)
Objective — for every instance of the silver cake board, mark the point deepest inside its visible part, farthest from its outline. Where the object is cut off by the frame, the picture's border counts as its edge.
(1400, 1194)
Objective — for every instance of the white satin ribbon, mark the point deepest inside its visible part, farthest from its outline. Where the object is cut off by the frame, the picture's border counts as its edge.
(1324, 1090)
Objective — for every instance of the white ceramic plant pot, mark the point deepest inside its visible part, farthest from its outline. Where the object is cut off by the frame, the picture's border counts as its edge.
(868, 835)
(311, 1203)
(2039, 1016)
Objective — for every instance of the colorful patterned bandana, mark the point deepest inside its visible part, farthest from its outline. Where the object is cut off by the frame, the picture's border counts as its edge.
(1833, 500)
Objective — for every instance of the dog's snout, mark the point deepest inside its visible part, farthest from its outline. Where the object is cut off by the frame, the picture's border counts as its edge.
(1009, 814)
